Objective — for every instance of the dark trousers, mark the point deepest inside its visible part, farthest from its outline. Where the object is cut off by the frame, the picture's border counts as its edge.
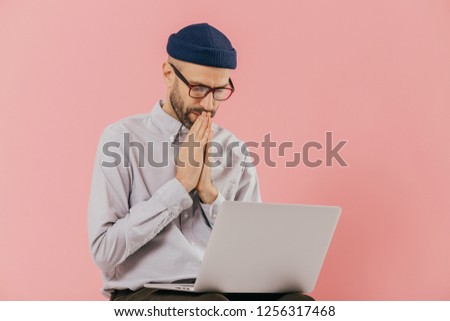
(147, 294)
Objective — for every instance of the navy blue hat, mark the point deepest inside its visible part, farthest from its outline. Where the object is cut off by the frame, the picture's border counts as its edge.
(202, 44)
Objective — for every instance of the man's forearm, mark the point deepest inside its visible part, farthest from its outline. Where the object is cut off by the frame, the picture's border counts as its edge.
(113, 239)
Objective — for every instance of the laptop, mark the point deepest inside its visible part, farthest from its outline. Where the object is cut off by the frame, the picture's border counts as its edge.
(264, 248)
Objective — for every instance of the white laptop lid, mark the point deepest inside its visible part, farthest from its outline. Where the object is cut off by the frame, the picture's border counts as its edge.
(261, 247)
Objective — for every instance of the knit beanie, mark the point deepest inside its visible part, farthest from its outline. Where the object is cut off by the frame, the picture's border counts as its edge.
(202, 44)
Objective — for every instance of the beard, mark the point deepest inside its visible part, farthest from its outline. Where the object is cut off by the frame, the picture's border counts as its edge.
(182, 111)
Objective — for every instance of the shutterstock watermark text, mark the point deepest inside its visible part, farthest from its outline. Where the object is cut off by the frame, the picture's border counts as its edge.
(274, 154)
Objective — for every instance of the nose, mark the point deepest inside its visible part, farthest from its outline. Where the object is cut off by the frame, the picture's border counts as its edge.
(208, 102)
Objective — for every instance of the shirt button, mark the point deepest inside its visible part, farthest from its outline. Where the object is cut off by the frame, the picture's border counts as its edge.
(214, 215)
(185, 215)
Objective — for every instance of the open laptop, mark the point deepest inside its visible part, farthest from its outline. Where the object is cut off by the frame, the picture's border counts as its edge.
(264, 248)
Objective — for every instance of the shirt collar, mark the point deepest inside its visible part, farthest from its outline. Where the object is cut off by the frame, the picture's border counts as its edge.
(164, 122)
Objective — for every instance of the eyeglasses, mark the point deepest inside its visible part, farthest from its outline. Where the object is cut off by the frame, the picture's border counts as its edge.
(199, 91)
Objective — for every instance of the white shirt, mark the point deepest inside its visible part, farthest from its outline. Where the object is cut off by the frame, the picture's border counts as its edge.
(143, 225)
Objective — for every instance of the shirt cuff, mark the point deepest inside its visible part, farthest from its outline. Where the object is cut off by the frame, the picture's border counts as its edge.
(174, 195)
(211, 210)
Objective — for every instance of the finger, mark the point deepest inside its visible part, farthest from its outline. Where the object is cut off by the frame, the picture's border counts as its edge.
(208, 148)
(201, 131)
(210, 134)
(195, 127)
(197, 124)
(209, 121)
(204, 139)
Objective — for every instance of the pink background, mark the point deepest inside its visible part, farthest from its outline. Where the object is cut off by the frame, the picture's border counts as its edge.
(375, 73)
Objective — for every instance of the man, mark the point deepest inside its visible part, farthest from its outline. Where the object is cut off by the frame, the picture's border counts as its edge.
(155, 192)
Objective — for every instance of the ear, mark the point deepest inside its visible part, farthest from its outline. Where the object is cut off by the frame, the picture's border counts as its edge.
(168, 74)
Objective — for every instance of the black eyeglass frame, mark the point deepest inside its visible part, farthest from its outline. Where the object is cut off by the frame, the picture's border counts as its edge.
(213, 90)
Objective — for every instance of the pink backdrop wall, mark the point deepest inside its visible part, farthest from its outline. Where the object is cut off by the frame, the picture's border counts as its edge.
(375, 73)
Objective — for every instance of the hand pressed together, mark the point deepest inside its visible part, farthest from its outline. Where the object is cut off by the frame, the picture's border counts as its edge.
(193, 170)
